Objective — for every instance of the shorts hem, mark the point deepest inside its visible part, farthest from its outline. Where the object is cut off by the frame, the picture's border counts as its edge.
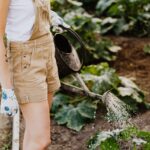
(26, 102)
(25, 99)
(54, 87)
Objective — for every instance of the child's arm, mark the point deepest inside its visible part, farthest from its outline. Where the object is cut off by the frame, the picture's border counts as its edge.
(9, 104)
(4, 70)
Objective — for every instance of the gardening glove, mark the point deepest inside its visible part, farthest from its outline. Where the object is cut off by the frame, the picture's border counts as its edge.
(56, 20)
(9, 103)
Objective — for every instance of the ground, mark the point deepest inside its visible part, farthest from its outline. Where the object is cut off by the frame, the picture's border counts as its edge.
(131, 62)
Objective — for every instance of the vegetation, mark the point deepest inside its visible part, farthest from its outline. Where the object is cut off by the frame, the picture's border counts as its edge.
(147, 49)
(75, 111)
(111, 140)
(113, 16)
(93, 20)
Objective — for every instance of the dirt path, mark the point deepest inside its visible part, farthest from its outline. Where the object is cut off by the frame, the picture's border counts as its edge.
(131, 62)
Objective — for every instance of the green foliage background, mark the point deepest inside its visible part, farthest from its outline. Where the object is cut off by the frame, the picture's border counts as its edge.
(112, 16)
(93, 18)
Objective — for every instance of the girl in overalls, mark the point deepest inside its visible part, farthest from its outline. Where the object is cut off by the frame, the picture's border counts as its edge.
(28, 69)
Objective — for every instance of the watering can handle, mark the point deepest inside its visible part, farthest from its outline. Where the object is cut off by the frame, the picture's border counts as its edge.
(74, 34)
(77, 37)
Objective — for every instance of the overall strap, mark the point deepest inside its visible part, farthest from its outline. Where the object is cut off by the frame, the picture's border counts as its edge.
(42, 20)
(45, 6)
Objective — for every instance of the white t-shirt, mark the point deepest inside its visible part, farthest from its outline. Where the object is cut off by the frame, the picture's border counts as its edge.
(20, 20)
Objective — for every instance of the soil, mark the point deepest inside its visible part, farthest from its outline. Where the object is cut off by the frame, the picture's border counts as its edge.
(131, 62)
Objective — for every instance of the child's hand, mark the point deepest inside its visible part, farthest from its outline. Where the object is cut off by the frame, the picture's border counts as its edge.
(9, 103)
(56, 20)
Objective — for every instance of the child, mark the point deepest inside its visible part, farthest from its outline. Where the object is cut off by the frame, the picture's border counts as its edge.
(28, 69)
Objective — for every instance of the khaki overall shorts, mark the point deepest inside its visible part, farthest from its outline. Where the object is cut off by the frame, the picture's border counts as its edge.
(32, 63)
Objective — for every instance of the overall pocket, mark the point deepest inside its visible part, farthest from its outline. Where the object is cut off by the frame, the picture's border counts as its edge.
(21, 60)
(26, 59)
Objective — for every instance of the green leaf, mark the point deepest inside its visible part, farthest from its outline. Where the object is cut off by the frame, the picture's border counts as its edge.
(128, 83)
(128, 132)
(102, 5)
(110, 144)
(95, 69)
(59, 100)
(60, 1)
(75, 121)
(76, 116)
(75, 2)
(144, 135)
(87, 109)
(115, 48)
(108, 24)
(102, 139)
(147, 49)
(105, 79)
(62, 115)
(127, 91)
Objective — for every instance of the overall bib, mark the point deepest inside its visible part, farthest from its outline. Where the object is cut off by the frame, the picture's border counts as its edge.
(32, 63)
